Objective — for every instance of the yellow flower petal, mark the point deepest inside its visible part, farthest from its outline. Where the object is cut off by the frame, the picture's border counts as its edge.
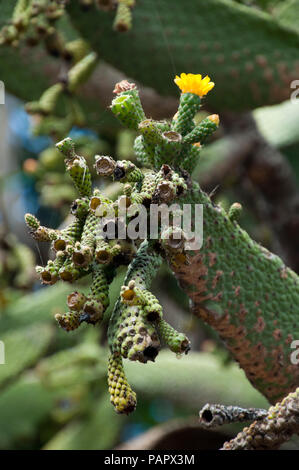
(194, 83)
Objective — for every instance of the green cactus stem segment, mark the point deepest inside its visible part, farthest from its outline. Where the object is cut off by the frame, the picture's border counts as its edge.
(148, 187)
(144, 151)
(192, 158)
(67, 148)
(79, 208)
(200, 133)
(123, 106)
(76, 167)
(127, 106)
(150, 130)
(188, 107)
(80, 175)
(216, 415)
(169, 148)
(130, 331)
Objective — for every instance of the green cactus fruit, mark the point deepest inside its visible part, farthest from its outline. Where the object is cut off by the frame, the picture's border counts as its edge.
(177, 342)
(135, 338)
(68, 321)
(203, 130)
(97, 298)
(122, 397)
(81, 71)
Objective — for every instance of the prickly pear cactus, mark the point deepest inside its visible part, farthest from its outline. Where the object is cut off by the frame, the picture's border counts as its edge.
(242, 290)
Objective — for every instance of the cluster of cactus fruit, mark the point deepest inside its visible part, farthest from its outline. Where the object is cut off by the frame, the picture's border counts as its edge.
(35, 22)
(167, 152)
(32, 20)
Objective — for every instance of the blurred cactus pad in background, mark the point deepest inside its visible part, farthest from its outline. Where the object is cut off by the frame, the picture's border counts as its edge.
(113, 107)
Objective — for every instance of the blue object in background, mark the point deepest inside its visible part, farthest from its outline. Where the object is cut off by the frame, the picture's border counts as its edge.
(20, 125)
(76, 132)
(161, 410)
(132, 430)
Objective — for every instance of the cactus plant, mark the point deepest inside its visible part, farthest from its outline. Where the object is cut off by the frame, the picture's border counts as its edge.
(245, 292)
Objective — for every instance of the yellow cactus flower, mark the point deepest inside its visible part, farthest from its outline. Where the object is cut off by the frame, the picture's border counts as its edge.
(194, 83)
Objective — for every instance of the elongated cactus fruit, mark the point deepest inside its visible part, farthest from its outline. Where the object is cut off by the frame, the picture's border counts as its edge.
(98, 298)
(243, 291)
(47, 101)
(177, 342)
(123, 17)
(203, 130)
(124, 88)
(122, 397)
(81, 71)
(76, 167)
(39, 232)
(127, 109)
(50, 273)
